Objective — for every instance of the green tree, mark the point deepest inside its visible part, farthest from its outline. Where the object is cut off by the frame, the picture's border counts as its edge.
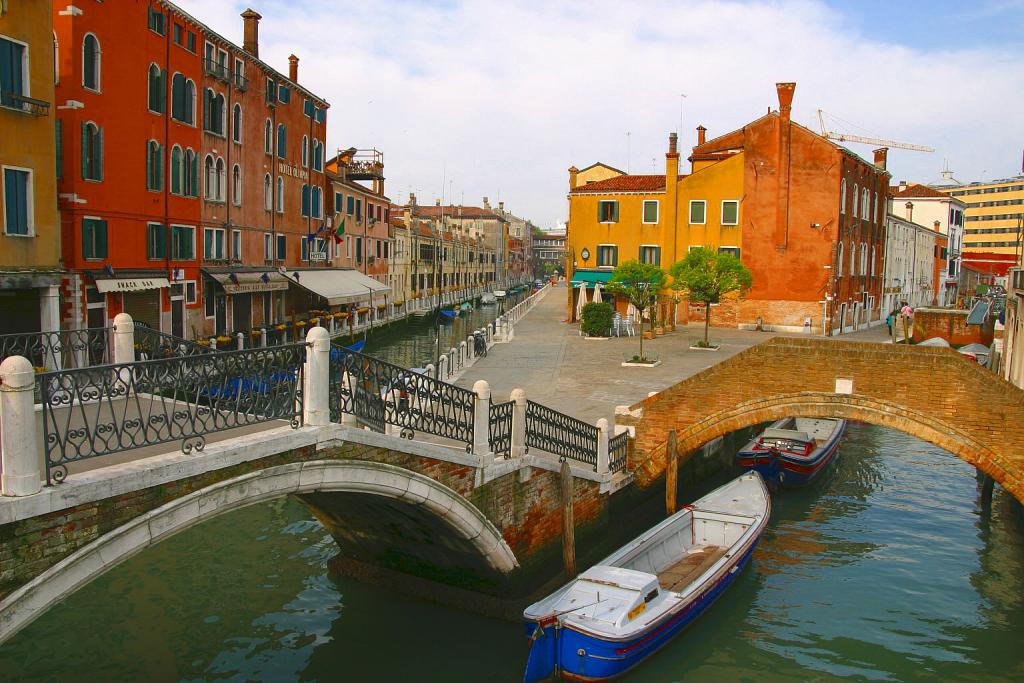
(639, 283)
(705, 276)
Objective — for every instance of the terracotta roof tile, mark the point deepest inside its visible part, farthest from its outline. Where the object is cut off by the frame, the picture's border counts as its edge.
(915, 190)
(624, 183)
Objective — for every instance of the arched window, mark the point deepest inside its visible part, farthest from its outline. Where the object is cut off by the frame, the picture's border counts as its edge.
(191, 173)
(236, 185)
(318, 155)
(221, 179)
(157, 89)
(236, 123)
(282, 141)
(210, 177)
(876, 208)
(316, 203)
(839, 261)
(305, 200)
(268, 138)
(856, 194)
(305, 151)
(190, 103)
(92, 151)
(842, 196)
(865, 208)
(154, 166)
(91, 62)
(176, 170)
(280, 195)
(213, 112)
(853, 258)
(268, 194)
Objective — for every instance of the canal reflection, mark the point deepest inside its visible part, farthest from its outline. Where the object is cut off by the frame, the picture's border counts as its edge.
(885, 570)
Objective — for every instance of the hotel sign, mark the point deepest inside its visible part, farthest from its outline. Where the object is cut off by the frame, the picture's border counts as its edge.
(293, 171)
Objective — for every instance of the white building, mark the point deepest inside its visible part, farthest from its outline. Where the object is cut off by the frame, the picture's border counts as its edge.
(909, 273)
(943, 214)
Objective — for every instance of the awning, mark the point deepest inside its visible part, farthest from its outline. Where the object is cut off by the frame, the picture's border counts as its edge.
(130, 285)
(268, 281)
(339, 286)
(591, 277)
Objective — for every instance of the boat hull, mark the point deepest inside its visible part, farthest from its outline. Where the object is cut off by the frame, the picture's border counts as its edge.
(560, 648)
(788, 470)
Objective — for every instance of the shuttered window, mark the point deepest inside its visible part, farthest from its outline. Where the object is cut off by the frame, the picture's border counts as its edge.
(282, 141)
(183, 242)
(698, 209)
(157, 89)
(60, 147)
(156, 242)
(154, 166)
(12, 72)
(650, 211)
(94, 238)
(730, 212)
(17, 189)
(305, 200)
(92, 151)
(91, 62)
(608, 212)
(176, 170)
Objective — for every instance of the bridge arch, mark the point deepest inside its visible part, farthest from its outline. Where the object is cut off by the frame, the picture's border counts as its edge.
(381, 480)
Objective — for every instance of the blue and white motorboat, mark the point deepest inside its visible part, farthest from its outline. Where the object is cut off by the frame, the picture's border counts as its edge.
(622, 610)
(793, 450)
(488, 299)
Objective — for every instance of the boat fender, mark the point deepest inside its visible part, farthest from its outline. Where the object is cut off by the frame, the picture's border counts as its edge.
(782, 477)
(581, 652)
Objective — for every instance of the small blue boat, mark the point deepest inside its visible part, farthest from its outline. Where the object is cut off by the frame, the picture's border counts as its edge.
(794, 450)
(622, 610)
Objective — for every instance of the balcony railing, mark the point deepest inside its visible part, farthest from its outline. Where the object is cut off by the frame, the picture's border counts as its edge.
(216, 69)
(24, 104)
(239, 81)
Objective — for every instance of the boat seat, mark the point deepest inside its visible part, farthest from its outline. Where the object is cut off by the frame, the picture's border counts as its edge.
(682, 573)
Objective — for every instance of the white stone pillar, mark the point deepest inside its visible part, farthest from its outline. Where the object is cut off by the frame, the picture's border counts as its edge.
(263, 337)
(470, 348)
(431, 371)
(241, 340)
(453, 361)
(20, 464)
(463, 357)
(316, 405)
(602, 446)
(213, 343)
(49, 321)
(394, 398)
(124, 339)
(482, 420)
(518, 423)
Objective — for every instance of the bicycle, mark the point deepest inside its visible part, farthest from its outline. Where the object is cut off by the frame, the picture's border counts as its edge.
(479, 344)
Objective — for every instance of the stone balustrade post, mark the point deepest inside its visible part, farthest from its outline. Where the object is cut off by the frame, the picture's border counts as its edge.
(442, 368)
(470, 348)
(431, 371)
(453, 356)
(213, 343)
(263, 337)
(394, 397)
(603, 436)
(21, 472)
(241, 340)
(463, 357)
(518, 423)
(124, 339)
(482, 421)
(316, 408)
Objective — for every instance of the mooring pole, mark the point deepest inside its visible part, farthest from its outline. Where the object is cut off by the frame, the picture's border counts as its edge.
(568, 523)
(671, 474)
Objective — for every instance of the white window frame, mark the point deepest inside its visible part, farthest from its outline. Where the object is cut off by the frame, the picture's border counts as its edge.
(657, 249)
(26, 80)
(236, 192)
(842, 197)
(268, 244)
(607, 201)
(643, 212)
(190, 285)
(99, 63)
(863, 258)
(689, 215)
(207, 232)
(236, 131)
(170, 246)
(29, 200)
(722, 214)
(279, 194)
(236, 240)
(731, 246)
(840, 260)
(598, 254)
(853, 258)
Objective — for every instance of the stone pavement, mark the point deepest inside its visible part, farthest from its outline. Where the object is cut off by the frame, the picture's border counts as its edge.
(582, 377)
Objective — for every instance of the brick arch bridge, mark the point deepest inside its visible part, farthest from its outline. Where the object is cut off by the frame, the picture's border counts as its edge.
(935, 394)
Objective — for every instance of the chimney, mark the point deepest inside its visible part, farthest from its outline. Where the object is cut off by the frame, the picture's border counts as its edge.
(902, 186)
(573, 172)
(702, 135)
(412, 199)
(910, 211)
(437, 202)
(487, 204)
(501, 207)
(251, 32)
(293, 68)
(673, 143)
(785, 91)
(881, 154)
(937, 225)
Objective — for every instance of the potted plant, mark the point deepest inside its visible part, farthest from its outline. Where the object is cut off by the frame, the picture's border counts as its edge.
(705, 276)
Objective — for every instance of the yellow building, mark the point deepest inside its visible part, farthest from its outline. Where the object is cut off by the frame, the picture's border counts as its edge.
(29, 227)
(994, 212)
(649, 218)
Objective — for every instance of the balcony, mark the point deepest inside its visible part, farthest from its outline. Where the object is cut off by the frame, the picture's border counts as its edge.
(365, 164)
(216, 69)
(24, 104)
(239, 81)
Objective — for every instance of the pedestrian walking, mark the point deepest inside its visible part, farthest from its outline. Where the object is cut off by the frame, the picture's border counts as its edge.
(891, 320)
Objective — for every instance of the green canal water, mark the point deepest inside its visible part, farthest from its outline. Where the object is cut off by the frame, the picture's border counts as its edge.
(885, 570)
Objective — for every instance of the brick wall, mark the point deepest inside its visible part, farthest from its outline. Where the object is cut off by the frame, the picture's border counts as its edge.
(950, 325)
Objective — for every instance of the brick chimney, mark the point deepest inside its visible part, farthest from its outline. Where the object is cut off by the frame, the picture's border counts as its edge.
(573, 172)
(702, 135)
(785, 91)
(487, 204)
(938, 224)
(251, 32)
(293, 68)
(902, 187)
(673, 143)
(881, 155)
(910, 211)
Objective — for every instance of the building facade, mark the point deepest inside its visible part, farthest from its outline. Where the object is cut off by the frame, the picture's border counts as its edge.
(30, 259)
(548, 252)
(994, 212)
(942, 213)
(913, 265)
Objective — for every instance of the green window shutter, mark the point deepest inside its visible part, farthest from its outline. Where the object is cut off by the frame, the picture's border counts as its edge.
(160, 167)
(175, 170)
(99, 154)
(86, 154)
(305, 200)
(615, 212)
(86, 234)
(149, 167)
(102, 235)
(600, 217)
(163, 91)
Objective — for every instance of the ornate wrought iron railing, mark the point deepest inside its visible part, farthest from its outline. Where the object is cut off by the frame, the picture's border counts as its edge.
(61, 349)
(379, 393)
(499, 428)
(561, 434)
(106, 409)
(151, 344)
(618, 447)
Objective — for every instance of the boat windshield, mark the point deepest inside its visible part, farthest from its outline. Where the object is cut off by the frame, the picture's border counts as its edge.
(790, 445)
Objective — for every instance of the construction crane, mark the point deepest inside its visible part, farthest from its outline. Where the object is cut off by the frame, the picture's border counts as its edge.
(881, 142)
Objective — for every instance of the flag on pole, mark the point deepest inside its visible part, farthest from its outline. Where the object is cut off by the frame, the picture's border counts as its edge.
(109, 270)
(233, 277)
(265, 278)
(339, 231)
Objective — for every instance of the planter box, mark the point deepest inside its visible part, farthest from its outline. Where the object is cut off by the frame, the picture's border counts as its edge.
(713, 347)
(598, 338)
(631, 364)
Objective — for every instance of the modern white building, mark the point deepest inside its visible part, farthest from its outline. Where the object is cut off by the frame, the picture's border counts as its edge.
(909, 272)
(943, 214)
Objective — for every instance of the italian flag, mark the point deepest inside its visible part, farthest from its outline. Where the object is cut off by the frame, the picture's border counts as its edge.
(339, 231)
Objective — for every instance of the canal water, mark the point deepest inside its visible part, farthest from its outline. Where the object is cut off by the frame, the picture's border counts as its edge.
(886, 570)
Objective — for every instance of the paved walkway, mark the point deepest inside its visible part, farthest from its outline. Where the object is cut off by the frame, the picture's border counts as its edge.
(582, 377)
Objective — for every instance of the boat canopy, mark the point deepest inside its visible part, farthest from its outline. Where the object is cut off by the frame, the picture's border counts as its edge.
(790, 434)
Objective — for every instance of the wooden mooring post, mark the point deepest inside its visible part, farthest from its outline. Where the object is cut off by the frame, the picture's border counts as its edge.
(671, 474)
(568, 523)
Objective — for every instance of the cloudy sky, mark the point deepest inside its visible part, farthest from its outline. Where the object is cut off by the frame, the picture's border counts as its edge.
(498, 99)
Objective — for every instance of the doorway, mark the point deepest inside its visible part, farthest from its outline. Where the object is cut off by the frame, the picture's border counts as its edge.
(178, 311)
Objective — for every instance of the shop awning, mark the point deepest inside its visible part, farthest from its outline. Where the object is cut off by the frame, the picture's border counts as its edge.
(244, 283)
(130, 284)
(590, 277)
(339, 286)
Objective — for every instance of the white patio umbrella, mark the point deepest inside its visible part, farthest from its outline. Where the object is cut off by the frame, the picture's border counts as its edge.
(581, 301)
(597, 294)
(633, 312)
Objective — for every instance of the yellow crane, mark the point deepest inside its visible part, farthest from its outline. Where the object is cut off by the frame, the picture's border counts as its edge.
(881, 142)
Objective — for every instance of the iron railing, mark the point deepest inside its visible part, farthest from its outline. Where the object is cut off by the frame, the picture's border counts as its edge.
(560, 434)
(378, 393)
(60, 349)
(618, 447)
(151, 344)
(107, 409)
(499, 428)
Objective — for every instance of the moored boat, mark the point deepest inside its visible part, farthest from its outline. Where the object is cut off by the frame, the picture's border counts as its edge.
(500, 293)
(622, 610)
(488, 299)
(794, 450)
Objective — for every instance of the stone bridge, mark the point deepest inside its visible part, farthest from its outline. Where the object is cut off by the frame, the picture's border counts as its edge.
(421, 508)
(934, 394)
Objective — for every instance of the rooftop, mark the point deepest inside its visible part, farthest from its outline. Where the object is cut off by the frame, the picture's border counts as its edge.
(624, 183)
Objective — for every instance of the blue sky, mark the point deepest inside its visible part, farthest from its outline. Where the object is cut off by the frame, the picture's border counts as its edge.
(472, 99)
